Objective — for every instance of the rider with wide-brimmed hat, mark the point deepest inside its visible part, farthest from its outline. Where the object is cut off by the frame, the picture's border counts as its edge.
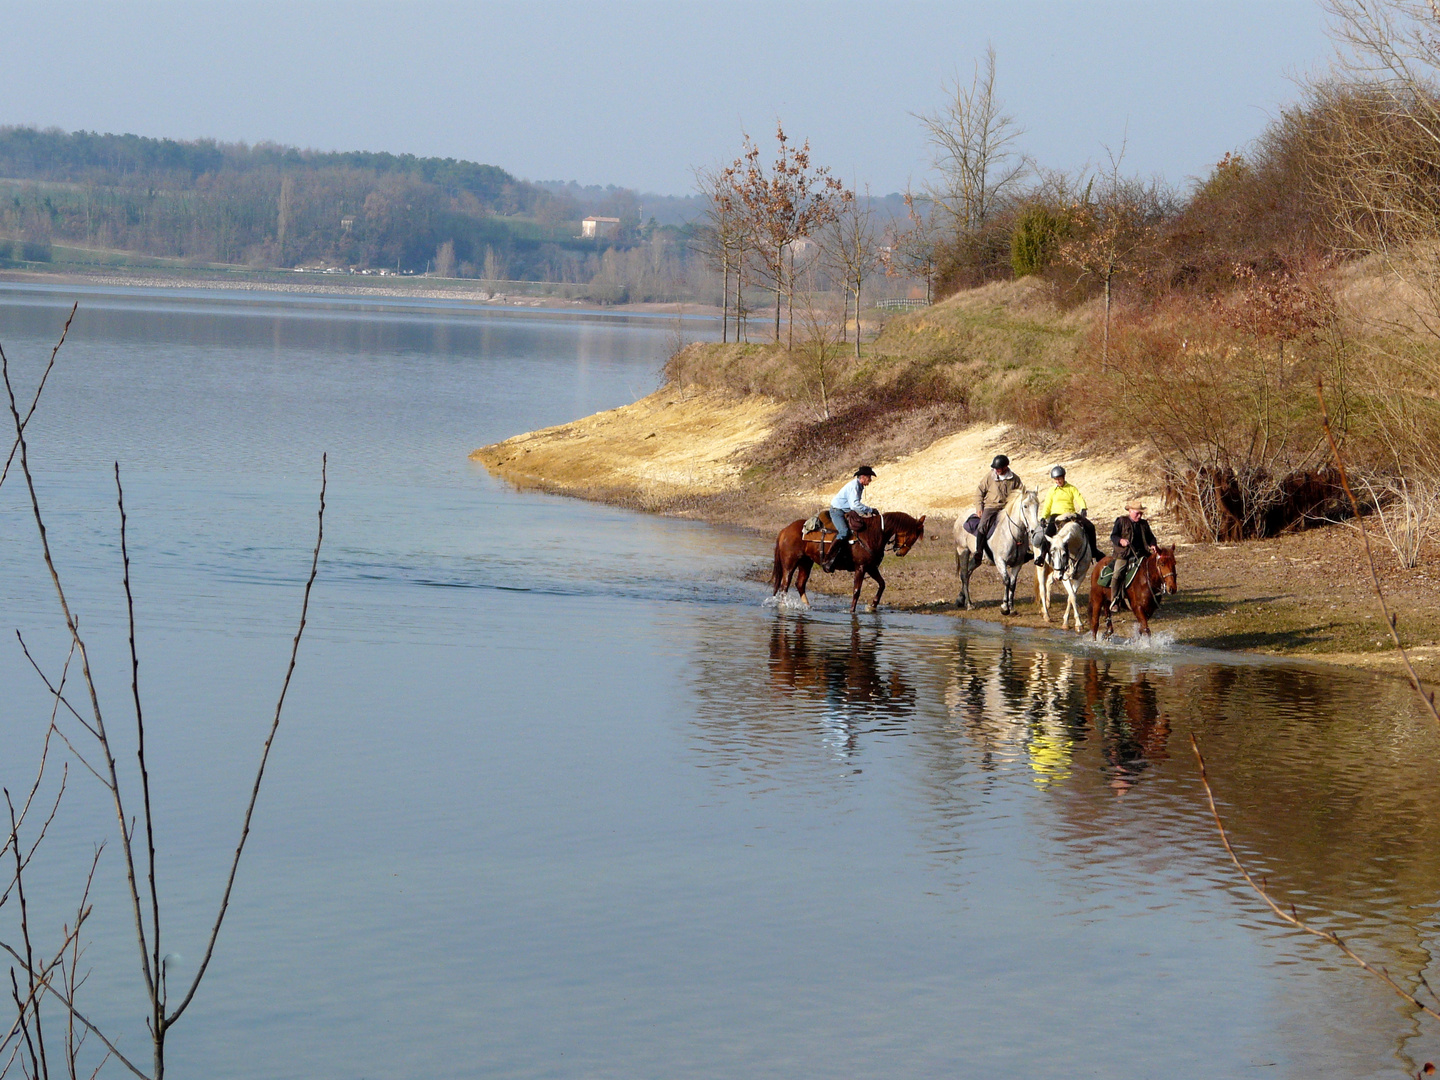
(848, 498)
(1065, 498)
(1131, 539)
(993, 493)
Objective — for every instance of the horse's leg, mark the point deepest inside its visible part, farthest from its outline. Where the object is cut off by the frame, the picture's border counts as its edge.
(964, 571)
(880, 581)
(859, 582)
(1141, 615)
(1042, 589)
(802, 577)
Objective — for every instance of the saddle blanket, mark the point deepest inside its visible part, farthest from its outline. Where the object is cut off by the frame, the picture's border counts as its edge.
(972, 524)
(1109, 572)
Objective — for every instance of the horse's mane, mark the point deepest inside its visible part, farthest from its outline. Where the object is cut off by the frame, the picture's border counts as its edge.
(902, 518)
(1018, 495)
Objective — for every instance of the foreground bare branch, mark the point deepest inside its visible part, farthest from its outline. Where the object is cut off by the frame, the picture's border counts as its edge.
(1290, 916)
(39, 389)
(1391, 620)
(264, 757)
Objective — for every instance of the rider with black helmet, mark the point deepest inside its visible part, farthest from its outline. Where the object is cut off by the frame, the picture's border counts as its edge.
(994, 491)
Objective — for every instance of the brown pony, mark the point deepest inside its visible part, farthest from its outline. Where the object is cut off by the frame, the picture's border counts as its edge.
(1155, 578)
(796, 552)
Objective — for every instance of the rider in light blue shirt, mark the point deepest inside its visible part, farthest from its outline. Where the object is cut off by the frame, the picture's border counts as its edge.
(848, 498)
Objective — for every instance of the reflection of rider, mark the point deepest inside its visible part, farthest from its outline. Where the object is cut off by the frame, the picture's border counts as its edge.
(1065, 498)
(1132, 540)
(994, 491)
(848, 498)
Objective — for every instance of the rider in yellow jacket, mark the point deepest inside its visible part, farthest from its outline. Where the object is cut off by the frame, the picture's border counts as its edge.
(1065, 498)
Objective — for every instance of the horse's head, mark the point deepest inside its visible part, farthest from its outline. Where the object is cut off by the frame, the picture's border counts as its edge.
(1165, 568)
(1029, 509)
(903, 531)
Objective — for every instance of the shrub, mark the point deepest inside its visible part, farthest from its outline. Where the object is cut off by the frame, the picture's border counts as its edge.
(1234, 422)
(1035, 242)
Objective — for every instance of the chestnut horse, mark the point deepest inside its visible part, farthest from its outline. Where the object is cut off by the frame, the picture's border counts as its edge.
(795, 552)
(1155, 578)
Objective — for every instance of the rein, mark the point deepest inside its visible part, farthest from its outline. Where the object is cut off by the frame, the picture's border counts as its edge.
(894, 542)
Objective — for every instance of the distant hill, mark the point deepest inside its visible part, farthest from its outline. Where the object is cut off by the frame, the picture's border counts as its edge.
(272, 205)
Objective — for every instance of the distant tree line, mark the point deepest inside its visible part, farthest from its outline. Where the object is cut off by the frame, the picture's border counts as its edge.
(276, 206)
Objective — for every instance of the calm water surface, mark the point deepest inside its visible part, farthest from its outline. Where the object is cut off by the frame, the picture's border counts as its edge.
(556, 796)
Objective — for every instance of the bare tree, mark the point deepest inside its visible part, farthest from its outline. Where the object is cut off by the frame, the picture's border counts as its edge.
(786, 202)
(722, 239)
(89, 739)
(851, 253)
(822, 343)
(911, 242)
(973, 142)
(445, 259)
(1113, 227)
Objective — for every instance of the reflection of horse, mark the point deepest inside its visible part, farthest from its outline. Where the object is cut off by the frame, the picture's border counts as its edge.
(1071, 544)
(796, 551)
(1009, 547)
(1133, 730)
(847, 677)
(1155, 578)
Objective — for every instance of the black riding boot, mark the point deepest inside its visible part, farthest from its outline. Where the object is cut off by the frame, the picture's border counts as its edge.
(1117, 584)
(839, 544)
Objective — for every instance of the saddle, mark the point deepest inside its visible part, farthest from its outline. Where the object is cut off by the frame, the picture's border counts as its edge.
(820, 528)
(1108, 573)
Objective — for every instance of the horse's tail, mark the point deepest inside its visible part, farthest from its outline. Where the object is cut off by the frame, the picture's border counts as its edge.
(779, 566)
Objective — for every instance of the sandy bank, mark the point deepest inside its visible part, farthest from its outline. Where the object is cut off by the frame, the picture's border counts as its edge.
(666, 447)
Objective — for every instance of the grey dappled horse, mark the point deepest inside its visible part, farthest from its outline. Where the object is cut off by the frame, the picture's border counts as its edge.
(1069, 539)
(1009, 544)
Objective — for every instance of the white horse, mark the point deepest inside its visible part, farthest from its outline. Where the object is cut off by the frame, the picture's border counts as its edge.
(1070, 547)
(1009, 545)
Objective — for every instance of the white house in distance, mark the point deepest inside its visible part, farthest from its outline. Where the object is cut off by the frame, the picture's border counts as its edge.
(592, 227)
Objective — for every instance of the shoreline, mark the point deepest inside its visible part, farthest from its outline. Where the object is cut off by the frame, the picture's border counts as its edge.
(682, 452)
(348, 286)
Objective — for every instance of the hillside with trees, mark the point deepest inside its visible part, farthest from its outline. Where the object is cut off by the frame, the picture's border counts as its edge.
(277, 206)
(1218, 327)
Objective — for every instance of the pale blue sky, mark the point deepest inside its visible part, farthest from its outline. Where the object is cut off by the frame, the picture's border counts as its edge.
(637, 93)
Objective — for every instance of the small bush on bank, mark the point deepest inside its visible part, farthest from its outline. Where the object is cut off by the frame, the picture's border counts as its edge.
(1035, 242)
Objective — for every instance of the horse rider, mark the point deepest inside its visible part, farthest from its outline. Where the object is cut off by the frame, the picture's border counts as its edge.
(848, 498)
(1132, 540)
(994, 491)
(1065, 498)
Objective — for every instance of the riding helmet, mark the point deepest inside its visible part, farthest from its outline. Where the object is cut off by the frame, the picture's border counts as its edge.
(864, 470)
(1057, 472)
(1000, 462)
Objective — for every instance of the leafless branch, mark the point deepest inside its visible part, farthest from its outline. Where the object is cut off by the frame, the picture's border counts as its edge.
(34, 401)
(1291, 916)
(264, 757)
(73, 626)
(1390, 619)
(49, 987)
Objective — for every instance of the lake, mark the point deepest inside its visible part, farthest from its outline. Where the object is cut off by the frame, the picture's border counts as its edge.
(557, 795)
